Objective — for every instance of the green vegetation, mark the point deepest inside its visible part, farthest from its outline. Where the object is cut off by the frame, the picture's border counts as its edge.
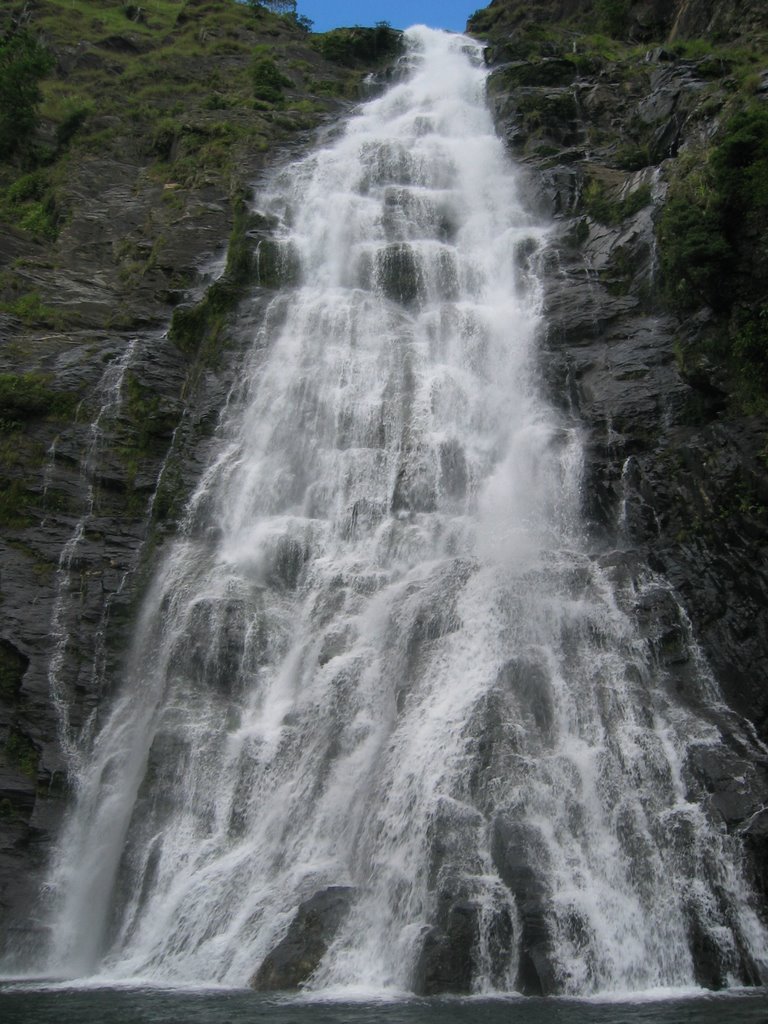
(170, 494)
(150, 418)
(150, 64)
(23, 62)
(549, 116)
(28, 395)
(740, 164)
(712, 229)
(188, 92)
(553, 72)
(21, 753)
(14, 501)
(30, 309)
(13, 665)
(151, 76)
(614, 211)
(632, 157)
(711, 251)
(268, 80)
(612, 17)
(184, 97)
(695, 254)
(197, 329)
(482, 21)
(278, 6)
(352, 47)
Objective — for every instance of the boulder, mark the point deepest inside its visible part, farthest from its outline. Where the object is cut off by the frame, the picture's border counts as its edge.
(297, 956)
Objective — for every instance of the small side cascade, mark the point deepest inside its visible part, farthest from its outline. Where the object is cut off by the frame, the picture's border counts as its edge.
(110, 393)
(50, 462)
(627, 490)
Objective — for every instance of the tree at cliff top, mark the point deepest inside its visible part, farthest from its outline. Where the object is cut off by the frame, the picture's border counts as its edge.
(278, 6)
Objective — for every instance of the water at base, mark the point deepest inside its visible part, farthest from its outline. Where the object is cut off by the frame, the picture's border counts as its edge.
(117, 1006)
(380, 659)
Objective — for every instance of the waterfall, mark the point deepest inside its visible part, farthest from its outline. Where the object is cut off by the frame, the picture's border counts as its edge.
(381, 670)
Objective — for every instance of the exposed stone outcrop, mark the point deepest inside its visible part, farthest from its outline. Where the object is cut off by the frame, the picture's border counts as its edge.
(520, 861)
(297, 956)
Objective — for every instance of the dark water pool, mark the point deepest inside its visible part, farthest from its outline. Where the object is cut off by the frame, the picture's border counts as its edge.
(40, 1005)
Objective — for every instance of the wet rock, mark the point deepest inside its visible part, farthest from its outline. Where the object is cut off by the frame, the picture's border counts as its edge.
(399, 274)
(658, 53)
(415, 487)
(755, 834)
(276, 265)
(734, 785)
(449, 960)
(445, 961)
(705, 952)
(560, 187)
(13, 664)
(466, 902)
(659, 616)
(309, 935)
(211, 651)
(453, 469)
(124, 44)
(285, 562)
(520, 859)
(528, 682)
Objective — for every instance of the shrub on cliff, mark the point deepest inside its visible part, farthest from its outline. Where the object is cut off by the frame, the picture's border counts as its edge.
(702, 231)
(268, 79)
(23, 62)
(740, 163)
(695, 254)
(612, 17)
(712, 245)
(28, 395)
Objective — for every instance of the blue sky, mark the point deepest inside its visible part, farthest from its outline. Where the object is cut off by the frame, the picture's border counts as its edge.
(450, 14)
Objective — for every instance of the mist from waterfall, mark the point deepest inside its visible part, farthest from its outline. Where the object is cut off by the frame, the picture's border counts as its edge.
(380, 655)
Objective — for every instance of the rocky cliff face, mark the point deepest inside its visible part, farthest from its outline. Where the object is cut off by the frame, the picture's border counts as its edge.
(636, 20)
(676, 470)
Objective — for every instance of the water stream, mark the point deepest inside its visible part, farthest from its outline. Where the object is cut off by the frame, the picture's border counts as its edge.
(381, 657)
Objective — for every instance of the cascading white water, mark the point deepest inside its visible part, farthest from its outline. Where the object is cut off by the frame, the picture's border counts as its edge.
(380, 656)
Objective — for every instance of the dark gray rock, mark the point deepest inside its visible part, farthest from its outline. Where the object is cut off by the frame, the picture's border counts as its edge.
(448, 959)
(298, 955)
(445, 961)
(521, 861)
